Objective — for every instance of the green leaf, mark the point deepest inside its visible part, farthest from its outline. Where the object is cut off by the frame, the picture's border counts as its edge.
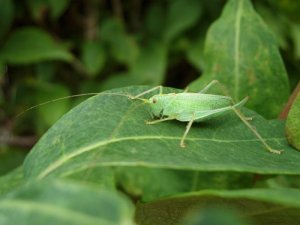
(123, 47)
(64, 203)
(293, 124)
(93, 57)
(6, 16)
(148, 69)
(181, 15)
(195, 53)
(109, 130)
(242, 53)
(264, 206)
(32, 45)
(151, 65)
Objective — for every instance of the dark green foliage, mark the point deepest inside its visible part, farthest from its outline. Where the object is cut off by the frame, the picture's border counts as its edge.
(73, 175)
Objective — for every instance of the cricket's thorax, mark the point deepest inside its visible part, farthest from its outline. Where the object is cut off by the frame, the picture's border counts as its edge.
(171, 104)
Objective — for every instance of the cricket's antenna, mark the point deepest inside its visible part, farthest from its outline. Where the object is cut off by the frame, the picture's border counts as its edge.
(55, 100)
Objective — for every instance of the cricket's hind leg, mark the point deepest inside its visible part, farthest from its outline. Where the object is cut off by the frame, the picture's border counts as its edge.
(243, 118)
(245, 121)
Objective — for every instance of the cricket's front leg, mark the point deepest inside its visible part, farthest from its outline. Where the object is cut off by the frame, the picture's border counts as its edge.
(160, 120)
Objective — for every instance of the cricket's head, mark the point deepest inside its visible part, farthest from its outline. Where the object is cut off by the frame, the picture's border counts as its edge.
(156, 104)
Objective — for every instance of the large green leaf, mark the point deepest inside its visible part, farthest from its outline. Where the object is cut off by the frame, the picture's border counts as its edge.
(64, 203)
(109, 130)
(242, 53)
(31, 45)
(263, 206)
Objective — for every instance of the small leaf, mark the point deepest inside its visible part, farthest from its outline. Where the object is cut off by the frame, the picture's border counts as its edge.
(109, 130)
(6, 16)
(32, 45)
(181, 15)
(293, 124)
(60, 202)
(93, 57)
(151, 65)
(241, 52)
(123, 47)
(195, 53)
(264, 206)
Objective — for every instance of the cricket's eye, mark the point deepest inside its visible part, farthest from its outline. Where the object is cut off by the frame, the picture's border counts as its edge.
(154, 100)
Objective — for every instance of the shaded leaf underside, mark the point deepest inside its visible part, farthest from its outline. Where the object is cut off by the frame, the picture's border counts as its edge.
(264, 206)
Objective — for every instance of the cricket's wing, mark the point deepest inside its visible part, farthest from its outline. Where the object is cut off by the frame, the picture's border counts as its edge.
(203, 115)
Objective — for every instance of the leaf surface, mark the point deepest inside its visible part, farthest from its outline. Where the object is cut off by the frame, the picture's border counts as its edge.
(109, 130)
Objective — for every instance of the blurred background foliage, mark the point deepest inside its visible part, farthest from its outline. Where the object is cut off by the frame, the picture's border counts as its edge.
(51, 49)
